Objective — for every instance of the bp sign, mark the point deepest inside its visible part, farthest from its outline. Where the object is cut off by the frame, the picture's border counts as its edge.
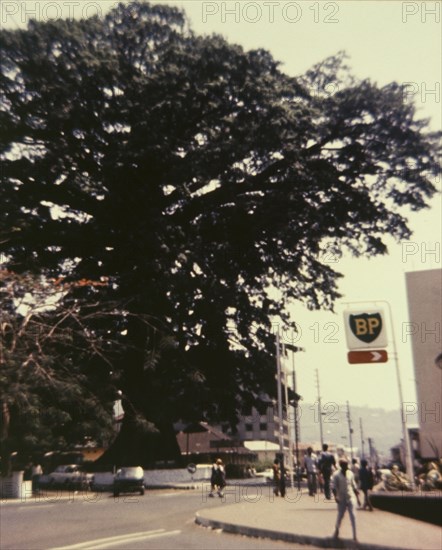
(365, 329)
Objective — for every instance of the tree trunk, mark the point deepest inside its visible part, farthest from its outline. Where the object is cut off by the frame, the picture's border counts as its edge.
(135, 444)
(134, 447)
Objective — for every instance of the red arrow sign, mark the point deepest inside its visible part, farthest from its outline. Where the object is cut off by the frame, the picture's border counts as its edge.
(372, 356)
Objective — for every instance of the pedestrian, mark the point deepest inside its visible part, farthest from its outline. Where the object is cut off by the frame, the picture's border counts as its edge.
(276, 476)
(310, 464)
(366, 483)
(218, 478)
(36, 472)
(327, 465)
(346, 493)
(355, 470)
(27, 475)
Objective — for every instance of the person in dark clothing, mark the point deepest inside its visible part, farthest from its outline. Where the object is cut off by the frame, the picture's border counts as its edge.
(365, 483)
(218, 478)
(327, 464)
(276, 477)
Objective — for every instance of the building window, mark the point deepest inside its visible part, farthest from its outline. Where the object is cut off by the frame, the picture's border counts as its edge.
(249, 427)
(263, 426)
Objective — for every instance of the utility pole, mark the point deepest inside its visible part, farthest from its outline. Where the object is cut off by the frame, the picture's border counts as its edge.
(296, 404)
(350, 430)
(289, 434)
(362, 437)
(281, 426)
(279, 393)
(319, 409)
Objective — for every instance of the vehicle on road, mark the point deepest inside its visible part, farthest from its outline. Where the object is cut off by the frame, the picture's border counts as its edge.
(70, 475)
(129, 479)
(266, 475)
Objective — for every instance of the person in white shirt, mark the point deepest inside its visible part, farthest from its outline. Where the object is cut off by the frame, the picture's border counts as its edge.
(346, 493)
(310, 464)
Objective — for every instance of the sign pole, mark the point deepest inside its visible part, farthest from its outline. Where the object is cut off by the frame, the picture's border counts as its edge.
(408, 457)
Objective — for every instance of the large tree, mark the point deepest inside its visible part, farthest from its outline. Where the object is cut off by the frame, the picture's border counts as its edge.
(195, 176)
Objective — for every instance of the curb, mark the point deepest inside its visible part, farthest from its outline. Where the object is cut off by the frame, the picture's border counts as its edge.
(323, 542)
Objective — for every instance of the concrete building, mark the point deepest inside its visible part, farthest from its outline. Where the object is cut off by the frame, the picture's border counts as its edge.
(264, 427)
(264, 450)
(424, 290)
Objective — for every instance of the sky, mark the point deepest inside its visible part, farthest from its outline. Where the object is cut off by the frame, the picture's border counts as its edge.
(386, 41)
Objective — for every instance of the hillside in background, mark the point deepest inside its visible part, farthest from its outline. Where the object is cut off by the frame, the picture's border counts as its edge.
(383, 427)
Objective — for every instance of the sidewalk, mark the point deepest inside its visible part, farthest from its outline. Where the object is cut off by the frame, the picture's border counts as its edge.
(310, 520)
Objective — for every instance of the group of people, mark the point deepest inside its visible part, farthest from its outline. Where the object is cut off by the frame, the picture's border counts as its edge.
(345, 483)
(320, 470)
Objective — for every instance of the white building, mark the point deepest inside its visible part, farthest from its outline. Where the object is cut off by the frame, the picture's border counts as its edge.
(424, 289)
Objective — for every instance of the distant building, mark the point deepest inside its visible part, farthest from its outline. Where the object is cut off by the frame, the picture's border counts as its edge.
(263, 427)
(202, 443)
(424, 289)
(264, 450)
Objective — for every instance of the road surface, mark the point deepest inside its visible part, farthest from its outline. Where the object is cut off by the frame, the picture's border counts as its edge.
(161, 519)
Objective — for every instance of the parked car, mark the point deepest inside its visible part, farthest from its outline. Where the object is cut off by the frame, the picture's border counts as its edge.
(70, 475)
(129, 479)
(266, 475)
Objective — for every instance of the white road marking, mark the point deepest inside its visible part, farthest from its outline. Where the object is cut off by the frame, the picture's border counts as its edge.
(107, 542)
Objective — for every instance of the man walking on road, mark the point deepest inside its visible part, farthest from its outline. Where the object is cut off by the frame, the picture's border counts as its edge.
(346, 492)
(310, 461)
(327, 465)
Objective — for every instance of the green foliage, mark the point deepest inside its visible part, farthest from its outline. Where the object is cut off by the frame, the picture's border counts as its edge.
(47, 366)
(194, 176)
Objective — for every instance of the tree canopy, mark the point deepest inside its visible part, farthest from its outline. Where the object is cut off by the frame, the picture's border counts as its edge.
(194, 176)
(54, 382)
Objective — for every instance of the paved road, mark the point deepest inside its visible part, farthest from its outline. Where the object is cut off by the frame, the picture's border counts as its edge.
(161, 520)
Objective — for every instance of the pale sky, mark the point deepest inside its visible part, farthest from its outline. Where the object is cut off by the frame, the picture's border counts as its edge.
(386, 41)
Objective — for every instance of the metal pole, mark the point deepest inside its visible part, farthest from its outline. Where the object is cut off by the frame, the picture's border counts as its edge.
(362, 438)
(296, 423)
(350, 430)
(279, 393)
(286, 409)
(319, 409)
(281, 427)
